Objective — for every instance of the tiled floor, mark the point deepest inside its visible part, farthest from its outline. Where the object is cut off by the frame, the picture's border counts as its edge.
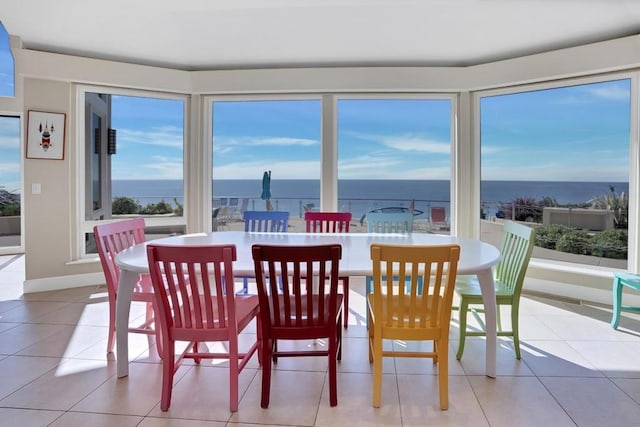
(54, 371)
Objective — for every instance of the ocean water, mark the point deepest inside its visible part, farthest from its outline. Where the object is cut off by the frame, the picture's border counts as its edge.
(360, 196)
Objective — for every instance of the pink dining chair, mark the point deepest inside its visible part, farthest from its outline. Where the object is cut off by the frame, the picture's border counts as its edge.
(111, 238)
(332, 222)
(194, 292)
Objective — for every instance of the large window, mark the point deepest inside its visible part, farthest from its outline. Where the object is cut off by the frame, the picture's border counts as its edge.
(395, 155)
(558, 159)
(133, 160)
(251, 137)
(10, 184)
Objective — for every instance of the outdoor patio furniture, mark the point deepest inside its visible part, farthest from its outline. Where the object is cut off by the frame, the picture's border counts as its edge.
(620, 281)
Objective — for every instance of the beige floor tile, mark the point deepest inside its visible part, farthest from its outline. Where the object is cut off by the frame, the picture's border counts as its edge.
(631, 386)
(474, 358)
(79, 419)
(613, 359)
(136, 394)
(556, 358)
(25, 335)
(67, 342)
(294, 399)
(29, 311)
(355, 357)
(28, 417)
(79, 313)
(203, 394)
(594, 401)
(420, 402)
(531, 328)
(17, 371)
(518, 401)
(175, 422)
(410, 365)
(6, 305)
(355, 407)
(578, 328)
(62, 387)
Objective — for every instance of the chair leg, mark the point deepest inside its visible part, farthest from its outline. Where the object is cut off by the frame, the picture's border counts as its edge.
(233, 375)
(367, 290)
(514, 330)
(464, 306)
(266, 372)
(443, 373)
(111, 341)
(333, 354)
(345, 311)
(617, 302)
(377, 371)
(245, 287)
(168, 369)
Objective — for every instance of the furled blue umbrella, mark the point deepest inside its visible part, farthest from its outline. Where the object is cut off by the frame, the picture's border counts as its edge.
(266, 188)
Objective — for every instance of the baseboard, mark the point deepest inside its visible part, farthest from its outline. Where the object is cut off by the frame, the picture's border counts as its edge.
(62, 282)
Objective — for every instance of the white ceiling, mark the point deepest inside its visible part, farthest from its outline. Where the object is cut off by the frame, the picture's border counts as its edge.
(227, 34)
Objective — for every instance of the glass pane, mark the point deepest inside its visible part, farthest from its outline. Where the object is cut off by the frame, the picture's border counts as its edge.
(7, 79)
(558, 159)
(394, 155)
(253, 137)
(147, 168)
(10, 178)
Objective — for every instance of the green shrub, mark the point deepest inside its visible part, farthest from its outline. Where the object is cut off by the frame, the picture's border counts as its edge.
(11, 209)
(157, 209)
(548, 235)
(610, 244)
(575, 241)
(125, 205)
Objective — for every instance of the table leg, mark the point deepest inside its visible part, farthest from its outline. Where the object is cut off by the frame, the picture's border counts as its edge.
(123, 305)
(487, 286)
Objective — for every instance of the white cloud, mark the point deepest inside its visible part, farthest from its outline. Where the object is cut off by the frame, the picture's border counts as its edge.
(279, 169)
(610, 92)
(167, 136)
(244, 141)
(408, 143)
(555, 172)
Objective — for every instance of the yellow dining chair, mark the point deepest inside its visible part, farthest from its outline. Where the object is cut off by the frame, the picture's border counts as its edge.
(517, 246)
(410, 312)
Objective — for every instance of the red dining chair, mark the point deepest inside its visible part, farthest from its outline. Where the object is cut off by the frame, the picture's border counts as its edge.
(294, 307)
(111, 238)
(332, 222)
(194, 291)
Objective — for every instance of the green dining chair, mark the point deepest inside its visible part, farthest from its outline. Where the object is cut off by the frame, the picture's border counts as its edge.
(517, 246)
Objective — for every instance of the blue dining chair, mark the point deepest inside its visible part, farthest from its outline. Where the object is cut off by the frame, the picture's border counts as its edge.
(266, 221)
(259, 222)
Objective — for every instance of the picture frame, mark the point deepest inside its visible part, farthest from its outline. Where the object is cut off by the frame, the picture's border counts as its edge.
(46, 134)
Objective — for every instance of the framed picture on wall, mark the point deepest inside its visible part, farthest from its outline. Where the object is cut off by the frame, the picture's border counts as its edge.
(45, 135)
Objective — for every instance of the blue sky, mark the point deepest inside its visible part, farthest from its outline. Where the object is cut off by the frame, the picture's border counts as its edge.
(578, 133)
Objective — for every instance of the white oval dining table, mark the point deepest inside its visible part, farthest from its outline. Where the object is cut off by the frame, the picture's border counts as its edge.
(476, 258)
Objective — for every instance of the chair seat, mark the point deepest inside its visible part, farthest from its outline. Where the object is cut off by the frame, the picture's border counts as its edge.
(246, 310)
(468, 287)
(304, 320)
